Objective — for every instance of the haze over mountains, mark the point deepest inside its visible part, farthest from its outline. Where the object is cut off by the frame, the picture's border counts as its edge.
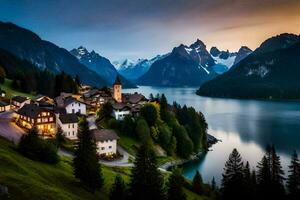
(101, 65)
(45, 55)
(271, 71)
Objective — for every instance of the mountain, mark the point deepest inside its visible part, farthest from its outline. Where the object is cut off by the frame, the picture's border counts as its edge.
(241, 54)
(223, 59)
(132, 70)
(184, 66)
(46, 55)
(101, 65)
(271, 71)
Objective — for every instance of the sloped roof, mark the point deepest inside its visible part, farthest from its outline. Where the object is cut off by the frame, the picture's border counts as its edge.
(2, 103)
(120, 106)
(19, 99)
(104, 134)
(31, 110)
(68, 118)
(134, 98)
(118, 81)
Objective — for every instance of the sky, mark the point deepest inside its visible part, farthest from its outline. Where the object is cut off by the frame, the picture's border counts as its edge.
(119, 29)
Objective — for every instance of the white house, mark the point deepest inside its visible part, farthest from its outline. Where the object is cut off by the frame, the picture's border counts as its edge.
(4, 106)
(120, 110)
(106, 141)
(69, 125)
(20, 101)
(73, 106)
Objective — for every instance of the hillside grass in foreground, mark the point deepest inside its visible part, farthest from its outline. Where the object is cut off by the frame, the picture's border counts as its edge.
(10, 92)
(27, 179)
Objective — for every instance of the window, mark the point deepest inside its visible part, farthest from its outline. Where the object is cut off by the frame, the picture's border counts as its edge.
(79, 111)
(73, 133)
(110, 147)
(102, 148)
(73, 126)
(73, 111)
(51, 119)
(69, 126)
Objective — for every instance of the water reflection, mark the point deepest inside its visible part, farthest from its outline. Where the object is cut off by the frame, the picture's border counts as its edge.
(247, 125)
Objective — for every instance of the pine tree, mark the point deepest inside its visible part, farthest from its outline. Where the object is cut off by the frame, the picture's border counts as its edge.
(118, 189)
(59, 137)
(270, 176)
(175, 185)
(248, 183)
(86, 164)
(213, 184)
(146, 180)
(293, 182)
(198, 183)
(232, 181)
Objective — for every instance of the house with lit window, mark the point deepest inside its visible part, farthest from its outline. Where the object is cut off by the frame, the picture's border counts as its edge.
(43, 119)
(19, 101)
(69, 125)
(106, 141)
(120, 110)
(4, 106)
(74, 106)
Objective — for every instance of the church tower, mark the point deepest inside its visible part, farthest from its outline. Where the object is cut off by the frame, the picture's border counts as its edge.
(117, 92)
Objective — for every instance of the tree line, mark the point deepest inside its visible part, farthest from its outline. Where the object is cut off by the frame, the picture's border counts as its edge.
(268, 182)
(178, 130)
(28, 78)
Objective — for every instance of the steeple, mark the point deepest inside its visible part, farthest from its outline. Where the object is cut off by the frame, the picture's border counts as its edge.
(118, 81)
(117, 93)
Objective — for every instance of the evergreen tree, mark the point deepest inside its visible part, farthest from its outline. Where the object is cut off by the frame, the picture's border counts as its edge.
(146, 180)
(270, 176)
(77, 80)
(143, 131)
(293, 181)
(232, 181)
(248, 183)
(213, 184)
(149, 113)
(118, 189)
(175, 185)
(86, 164)
(59, 137)
(198, 183)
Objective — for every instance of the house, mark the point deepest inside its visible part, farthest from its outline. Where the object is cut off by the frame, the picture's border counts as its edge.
(20, 101)
(31, 115)
(117, 90)
(120, 110)
(61, 99)
(69, 125)
(134, 99)
(45, 101)
(73, 105)
(95, 98)
(106, 141)
(4, 106)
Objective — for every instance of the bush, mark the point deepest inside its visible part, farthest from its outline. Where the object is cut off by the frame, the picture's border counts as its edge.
(149, 113)
(36, 148)
(143, 131)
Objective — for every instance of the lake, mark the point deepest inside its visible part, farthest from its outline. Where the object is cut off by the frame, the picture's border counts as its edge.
(248, 125)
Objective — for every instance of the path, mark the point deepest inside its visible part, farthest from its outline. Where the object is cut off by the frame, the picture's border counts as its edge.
(9, 129)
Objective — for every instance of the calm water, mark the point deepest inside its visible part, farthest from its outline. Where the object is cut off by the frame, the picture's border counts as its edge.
(247, 125)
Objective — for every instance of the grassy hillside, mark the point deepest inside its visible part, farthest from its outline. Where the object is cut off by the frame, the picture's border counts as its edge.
(10, 92)
(27, 179)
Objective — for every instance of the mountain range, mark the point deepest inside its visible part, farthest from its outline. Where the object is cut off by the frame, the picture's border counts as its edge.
(101, 65)
(271, 71)
(190, 65)
(132, 70)
(29, 46)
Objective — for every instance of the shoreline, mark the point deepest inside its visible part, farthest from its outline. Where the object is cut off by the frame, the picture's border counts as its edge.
(211, 140)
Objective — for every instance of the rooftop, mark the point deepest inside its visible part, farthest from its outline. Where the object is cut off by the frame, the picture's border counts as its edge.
(68, 118)
(104, 134)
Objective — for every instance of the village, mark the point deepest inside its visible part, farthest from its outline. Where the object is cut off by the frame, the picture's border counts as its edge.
(64, 111)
